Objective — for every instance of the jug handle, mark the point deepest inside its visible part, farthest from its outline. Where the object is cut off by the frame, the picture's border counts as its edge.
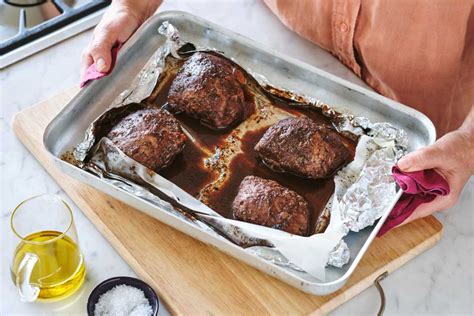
(28, 292)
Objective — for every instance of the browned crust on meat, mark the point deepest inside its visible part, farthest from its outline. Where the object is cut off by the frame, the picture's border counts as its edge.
(265, 202)
(153, 137)
(209, 88)
(303, 147)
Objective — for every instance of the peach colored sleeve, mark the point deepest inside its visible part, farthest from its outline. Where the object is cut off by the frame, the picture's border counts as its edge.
(418, 52)
(328, 23)
(310, 19)
(412, 51)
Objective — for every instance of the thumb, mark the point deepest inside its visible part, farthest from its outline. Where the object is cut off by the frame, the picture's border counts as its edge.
(421, 159)
(101, 53)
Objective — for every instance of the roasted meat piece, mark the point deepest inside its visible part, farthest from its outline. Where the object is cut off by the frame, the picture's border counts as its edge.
(209, 88)
(150, 136)
(303, 147)
(265, 202)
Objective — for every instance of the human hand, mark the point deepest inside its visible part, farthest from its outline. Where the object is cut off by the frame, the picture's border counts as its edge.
(452, 156)
(119, 22)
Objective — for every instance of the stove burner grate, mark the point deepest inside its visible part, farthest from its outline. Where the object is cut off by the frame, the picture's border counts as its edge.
(24, 3)
(67, 16)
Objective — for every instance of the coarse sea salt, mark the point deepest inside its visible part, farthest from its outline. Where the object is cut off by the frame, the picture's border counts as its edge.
(123, 300)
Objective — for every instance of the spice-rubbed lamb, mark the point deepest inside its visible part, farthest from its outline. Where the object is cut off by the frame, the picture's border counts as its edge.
(265, 202)
(209, 88)
(303, 147)
(150, 136)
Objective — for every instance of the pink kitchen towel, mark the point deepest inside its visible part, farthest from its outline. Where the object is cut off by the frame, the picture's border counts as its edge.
(92, 73)
(419, 187)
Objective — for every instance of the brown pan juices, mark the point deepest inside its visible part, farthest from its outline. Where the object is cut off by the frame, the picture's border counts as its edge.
(190, 172)
(315, 192)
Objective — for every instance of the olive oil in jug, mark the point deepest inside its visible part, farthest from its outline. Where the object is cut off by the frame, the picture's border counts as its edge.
(59, 270)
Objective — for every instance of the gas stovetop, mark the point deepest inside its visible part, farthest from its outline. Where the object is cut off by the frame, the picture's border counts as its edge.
(28, 26)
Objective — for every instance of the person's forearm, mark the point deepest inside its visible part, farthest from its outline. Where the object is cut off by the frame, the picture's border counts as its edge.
(468, 124)
(467, 128)
(141, 9)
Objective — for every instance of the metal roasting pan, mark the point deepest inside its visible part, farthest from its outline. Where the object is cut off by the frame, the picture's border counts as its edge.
(68, 127)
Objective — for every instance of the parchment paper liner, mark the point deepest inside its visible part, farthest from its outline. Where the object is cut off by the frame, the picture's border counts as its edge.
(360, 196)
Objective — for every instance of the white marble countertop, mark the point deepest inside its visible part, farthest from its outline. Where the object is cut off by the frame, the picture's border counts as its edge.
(439, 281)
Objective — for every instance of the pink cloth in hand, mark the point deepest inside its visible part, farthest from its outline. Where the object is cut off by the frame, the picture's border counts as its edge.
(92, 73)
(419, 187)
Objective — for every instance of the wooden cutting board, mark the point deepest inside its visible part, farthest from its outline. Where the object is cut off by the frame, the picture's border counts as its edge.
(193, 278)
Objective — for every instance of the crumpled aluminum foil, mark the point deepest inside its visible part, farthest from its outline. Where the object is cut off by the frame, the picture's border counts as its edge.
(340, 256)
(141, 87)
(358, 200)
(375, 183)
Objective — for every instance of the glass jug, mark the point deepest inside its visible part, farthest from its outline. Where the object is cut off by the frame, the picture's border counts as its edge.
(46, 260)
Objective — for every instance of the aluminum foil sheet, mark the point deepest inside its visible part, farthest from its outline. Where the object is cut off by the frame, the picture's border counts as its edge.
(141, 87)
(359, 199)
(340, 255)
